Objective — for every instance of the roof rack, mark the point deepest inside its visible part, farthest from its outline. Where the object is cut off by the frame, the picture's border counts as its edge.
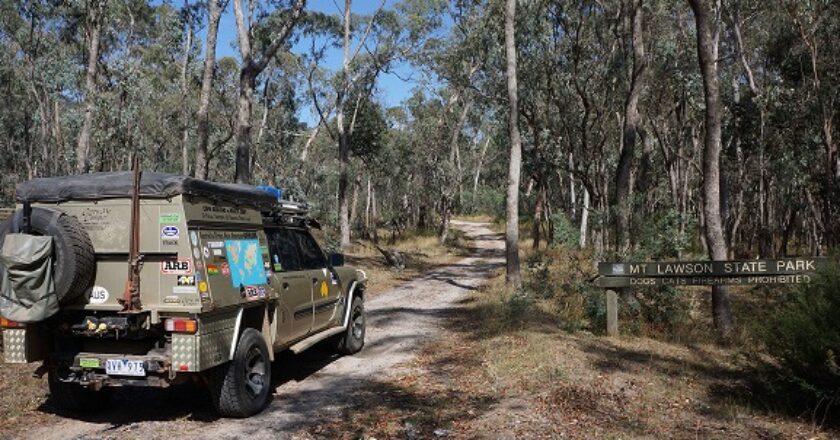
(293, 213)
(289, 207)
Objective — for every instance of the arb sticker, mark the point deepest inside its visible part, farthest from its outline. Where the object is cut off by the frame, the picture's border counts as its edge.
(98, 295)
(176, 267)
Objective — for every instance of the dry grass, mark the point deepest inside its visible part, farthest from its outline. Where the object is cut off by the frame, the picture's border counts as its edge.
(507, 373)
(22, 396)
(421, 251)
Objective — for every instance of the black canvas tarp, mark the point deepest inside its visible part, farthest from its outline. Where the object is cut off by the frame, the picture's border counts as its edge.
(98, 186)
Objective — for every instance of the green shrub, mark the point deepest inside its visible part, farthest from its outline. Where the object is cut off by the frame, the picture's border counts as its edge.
(566, 233)
(667, 235)
(804, 335)
(483, 201)
(516, 307)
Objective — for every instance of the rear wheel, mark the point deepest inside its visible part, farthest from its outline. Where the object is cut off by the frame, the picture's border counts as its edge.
(353, 339)
(241, 387)
(74, 397)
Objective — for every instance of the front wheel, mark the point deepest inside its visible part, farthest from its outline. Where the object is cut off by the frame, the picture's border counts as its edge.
(241, 387)
(353, 339)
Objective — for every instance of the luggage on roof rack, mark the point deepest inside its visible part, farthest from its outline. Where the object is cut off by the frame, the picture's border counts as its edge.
(118, 185)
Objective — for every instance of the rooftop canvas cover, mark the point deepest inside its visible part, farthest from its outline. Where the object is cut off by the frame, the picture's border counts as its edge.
(98, 186)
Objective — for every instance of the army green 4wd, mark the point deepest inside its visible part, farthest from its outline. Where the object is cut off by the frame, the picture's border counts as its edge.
(228, 275)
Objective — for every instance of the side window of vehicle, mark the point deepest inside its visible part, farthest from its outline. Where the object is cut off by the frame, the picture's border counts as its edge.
(311, 256)
(284, 250)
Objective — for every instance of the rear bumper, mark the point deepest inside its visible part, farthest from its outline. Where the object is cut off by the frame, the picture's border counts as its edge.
(88, 369)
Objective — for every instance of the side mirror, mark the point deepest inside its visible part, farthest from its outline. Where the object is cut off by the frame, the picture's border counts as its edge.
(336, 260)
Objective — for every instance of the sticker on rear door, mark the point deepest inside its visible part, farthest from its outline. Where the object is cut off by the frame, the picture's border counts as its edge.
(98, 295)
(176, 267)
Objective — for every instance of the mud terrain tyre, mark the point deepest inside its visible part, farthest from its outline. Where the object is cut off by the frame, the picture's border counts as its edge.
(74, 397)
(74, 264)
(241, 387)
(353, 339)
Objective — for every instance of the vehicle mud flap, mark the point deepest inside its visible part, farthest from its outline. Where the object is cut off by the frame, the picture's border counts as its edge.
(23, 345)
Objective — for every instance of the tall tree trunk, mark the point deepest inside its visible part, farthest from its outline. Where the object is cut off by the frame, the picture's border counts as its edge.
(250, 69)
(478, 167)
(539, 207)
(512, 277)
(93, 27)
(343, 136)
(185, 134)
(584, 218)
(631, 131)
(247, 83)
(201, 160)
(705, 17)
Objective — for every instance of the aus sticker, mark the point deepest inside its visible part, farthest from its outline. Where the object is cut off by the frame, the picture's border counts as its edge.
(184, 289)
(98, 295)
(216, 244)
(176, 267)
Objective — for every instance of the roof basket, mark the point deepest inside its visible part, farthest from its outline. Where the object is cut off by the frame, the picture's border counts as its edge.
(293, 213)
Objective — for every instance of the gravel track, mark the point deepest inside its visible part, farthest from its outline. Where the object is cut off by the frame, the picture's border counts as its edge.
(314, 384)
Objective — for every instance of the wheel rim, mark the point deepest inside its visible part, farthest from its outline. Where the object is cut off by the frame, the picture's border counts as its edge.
(255, 371)
(358, 324)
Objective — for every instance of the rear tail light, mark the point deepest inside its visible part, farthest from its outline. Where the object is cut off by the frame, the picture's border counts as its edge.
(179, 325)
(5, 323)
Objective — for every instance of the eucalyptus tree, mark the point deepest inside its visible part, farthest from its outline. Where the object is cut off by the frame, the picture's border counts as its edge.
(94, 16)
(631, 131)
(512, 276)
(268, 42)
(707, 28)
(214, 10)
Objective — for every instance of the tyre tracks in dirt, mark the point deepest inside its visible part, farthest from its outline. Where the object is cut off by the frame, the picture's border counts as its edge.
(310, 386)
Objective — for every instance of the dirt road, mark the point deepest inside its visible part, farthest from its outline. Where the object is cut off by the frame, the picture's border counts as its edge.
(315, 384)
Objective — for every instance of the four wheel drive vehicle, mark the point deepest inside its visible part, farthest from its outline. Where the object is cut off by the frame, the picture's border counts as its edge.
(228, 275)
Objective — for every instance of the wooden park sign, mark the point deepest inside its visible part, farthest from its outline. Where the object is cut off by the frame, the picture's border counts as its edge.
(703, 273)
(710, 273)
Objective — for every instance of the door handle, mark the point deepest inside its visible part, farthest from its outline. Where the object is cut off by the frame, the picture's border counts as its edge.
(285, 285)
(314, 280)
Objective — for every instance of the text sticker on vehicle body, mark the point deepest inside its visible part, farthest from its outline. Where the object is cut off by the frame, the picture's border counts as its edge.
(175, 267)
(170, 232)
(98, 295)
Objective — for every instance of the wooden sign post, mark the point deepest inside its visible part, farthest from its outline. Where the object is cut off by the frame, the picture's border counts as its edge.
(702, 273)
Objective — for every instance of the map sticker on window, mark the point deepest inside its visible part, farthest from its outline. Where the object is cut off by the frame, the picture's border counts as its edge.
(246, 262)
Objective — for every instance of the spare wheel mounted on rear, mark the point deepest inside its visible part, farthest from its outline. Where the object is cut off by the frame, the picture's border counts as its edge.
(74, 263)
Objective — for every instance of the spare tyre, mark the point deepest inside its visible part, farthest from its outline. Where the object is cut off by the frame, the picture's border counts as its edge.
(74, 263)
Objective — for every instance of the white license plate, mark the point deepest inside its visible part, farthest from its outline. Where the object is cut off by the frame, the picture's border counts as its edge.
(125, 367)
